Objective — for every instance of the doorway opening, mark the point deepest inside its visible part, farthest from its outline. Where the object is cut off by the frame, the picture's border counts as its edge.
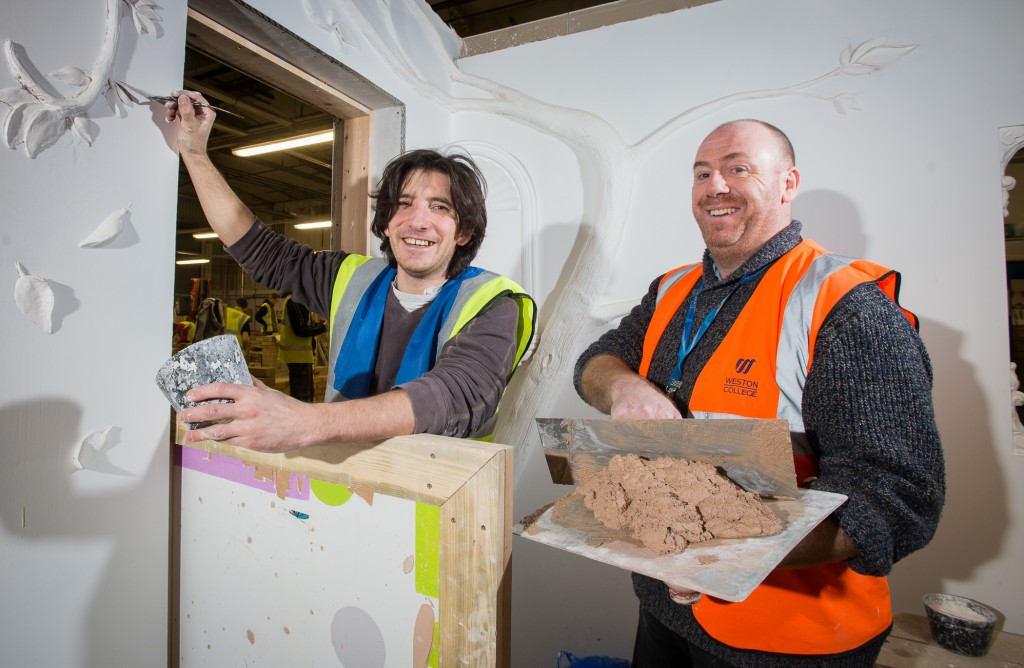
(282, 87)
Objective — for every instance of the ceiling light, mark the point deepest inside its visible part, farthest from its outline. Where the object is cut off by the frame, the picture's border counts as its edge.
(312, 225)
(284, 144)
(204, 235)
(197, 261)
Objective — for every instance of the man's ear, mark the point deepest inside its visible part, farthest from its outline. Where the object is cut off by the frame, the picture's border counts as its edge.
(790, 185)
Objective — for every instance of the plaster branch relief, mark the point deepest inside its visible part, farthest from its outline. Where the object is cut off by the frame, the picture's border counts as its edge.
(37, 116)
(410, 44)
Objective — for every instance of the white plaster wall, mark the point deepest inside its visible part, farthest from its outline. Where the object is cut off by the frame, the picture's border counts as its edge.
(911, 180)
(84, 553)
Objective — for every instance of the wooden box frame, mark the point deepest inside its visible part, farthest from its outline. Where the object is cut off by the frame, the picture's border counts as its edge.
(470, 481)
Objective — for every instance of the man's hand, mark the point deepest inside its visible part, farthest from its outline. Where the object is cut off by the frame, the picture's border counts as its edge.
(196, 122)
(611, 386)
(635, 398)
(259, 418)
(682, 596)
(229, 217)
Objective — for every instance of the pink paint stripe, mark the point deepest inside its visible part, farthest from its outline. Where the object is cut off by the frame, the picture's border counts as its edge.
(229, 468)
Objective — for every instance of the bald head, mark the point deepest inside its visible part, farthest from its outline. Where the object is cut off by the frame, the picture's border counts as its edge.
(786, 154)
(744, 182)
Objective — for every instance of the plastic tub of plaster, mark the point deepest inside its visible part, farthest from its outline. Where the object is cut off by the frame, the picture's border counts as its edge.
(215, 360)
(960, 624)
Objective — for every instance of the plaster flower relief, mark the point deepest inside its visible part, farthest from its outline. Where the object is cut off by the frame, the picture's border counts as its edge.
(423, 52)
(34, 298)
(37, 116)
(108, 228)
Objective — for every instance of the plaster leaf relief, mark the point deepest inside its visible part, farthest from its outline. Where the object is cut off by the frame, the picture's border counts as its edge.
(401, 33)
(38, 116)
(108, 228)
(90, 448)
(871, 56)
(34, 298)
(72, 76)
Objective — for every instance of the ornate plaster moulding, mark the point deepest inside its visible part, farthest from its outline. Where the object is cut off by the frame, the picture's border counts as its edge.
(38, 117)
(1011, 139)
(509, 189)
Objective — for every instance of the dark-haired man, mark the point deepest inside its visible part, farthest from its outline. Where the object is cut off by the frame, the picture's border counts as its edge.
(825, 343)
(420, 340)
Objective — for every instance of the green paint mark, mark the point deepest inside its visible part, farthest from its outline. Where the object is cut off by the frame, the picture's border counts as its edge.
(432, 661)
(428, 549)
(330, 493)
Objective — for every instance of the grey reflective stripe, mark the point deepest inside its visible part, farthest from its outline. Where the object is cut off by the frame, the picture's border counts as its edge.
(671, 280)
(487, 428)
(794, 345)
(799, 440)
(341, 319)
(466, 292)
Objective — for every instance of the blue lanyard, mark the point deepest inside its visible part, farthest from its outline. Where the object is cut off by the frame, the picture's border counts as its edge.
(686, 345)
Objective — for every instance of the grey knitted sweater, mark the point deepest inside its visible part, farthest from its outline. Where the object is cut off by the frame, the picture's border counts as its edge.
(867, 409)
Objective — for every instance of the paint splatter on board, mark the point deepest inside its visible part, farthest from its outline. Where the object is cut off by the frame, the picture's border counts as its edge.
(357, 639)
(251, 636)
(407, 565)
(423, 636)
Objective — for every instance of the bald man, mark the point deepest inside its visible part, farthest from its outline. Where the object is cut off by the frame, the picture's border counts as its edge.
(825, 345)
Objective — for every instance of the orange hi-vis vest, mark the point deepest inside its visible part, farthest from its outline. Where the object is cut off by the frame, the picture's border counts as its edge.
(759, 371)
